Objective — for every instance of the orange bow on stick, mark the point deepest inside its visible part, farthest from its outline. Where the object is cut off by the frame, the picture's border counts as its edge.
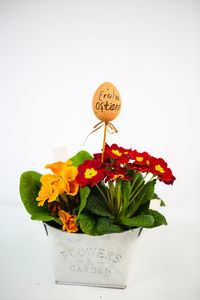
(108, 127)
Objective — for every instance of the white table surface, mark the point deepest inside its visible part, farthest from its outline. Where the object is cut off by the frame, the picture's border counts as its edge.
(166, 266)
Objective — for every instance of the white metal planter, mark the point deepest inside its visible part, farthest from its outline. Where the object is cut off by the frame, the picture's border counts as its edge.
(81, 259)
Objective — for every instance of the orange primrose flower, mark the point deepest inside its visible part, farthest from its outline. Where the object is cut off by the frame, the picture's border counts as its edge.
(67, 174)
(57, 167)
(62, 181)
(47, 192)
(68, 221)
(54, 208)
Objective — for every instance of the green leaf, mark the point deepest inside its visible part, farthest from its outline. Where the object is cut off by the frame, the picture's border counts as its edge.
(42, 217)
(75, 210)
(138, 221)
(80, 157)
(162, 203)
(145, 195)
(143, 208)
(138, 178)
(58, 221)
(97, 205)
(88, 223)
(133, 174)
(131, 207)
(29, 188)
(159, 219)
(126, 193)
(106, 225)
(126, 190)
(84, 193)
(102, 186)
(45, 217)
(147, 191)
(155, 196)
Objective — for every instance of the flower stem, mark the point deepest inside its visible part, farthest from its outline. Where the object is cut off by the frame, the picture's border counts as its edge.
(137, 187)
(65, 201)
(137, 204)
(135, 179)
(101, 192)
(143, 179)
(118, 198)
(134, 196)
(111, 190)
(109, 201)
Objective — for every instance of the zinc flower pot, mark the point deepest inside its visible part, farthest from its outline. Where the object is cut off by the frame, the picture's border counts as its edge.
(82, 259)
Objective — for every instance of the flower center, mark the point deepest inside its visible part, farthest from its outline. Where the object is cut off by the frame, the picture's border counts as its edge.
(89, 173)
(118, 175)
(147, 162)
(139, 158)
(159, 169)
(116, 152)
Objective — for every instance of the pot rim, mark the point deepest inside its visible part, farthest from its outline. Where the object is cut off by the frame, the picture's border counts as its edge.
(89, 235)
(140, 229)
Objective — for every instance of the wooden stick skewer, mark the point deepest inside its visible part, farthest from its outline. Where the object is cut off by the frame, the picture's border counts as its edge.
(104, 141)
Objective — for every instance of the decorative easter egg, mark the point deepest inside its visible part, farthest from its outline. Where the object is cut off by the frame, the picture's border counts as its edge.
(106, 102)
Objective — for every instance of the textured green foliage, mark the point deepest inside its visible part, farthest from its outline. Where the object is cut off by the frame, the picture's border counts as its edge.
(159, 219)
(106, 225)
(58, 221)
(143, 208)
(162, 203)
(138, 177)
(75, 210)
(155, 196)
(84, 193)
(92, 225)
(126, 190)
(88, 223)
(93, 214)
(145, 195)
(138, 221)
(97, 205)
(147, 192)
(45, 217)
(131, 206)
(29, 188)
(80, 157)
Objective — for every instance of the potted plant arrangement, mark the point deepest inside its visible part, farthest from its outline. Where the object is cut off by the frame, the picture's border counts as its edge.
(93, 208)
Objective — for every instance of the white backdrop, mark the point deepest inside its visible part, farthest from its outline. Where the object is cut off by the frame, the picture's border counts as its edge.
(54, 54)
